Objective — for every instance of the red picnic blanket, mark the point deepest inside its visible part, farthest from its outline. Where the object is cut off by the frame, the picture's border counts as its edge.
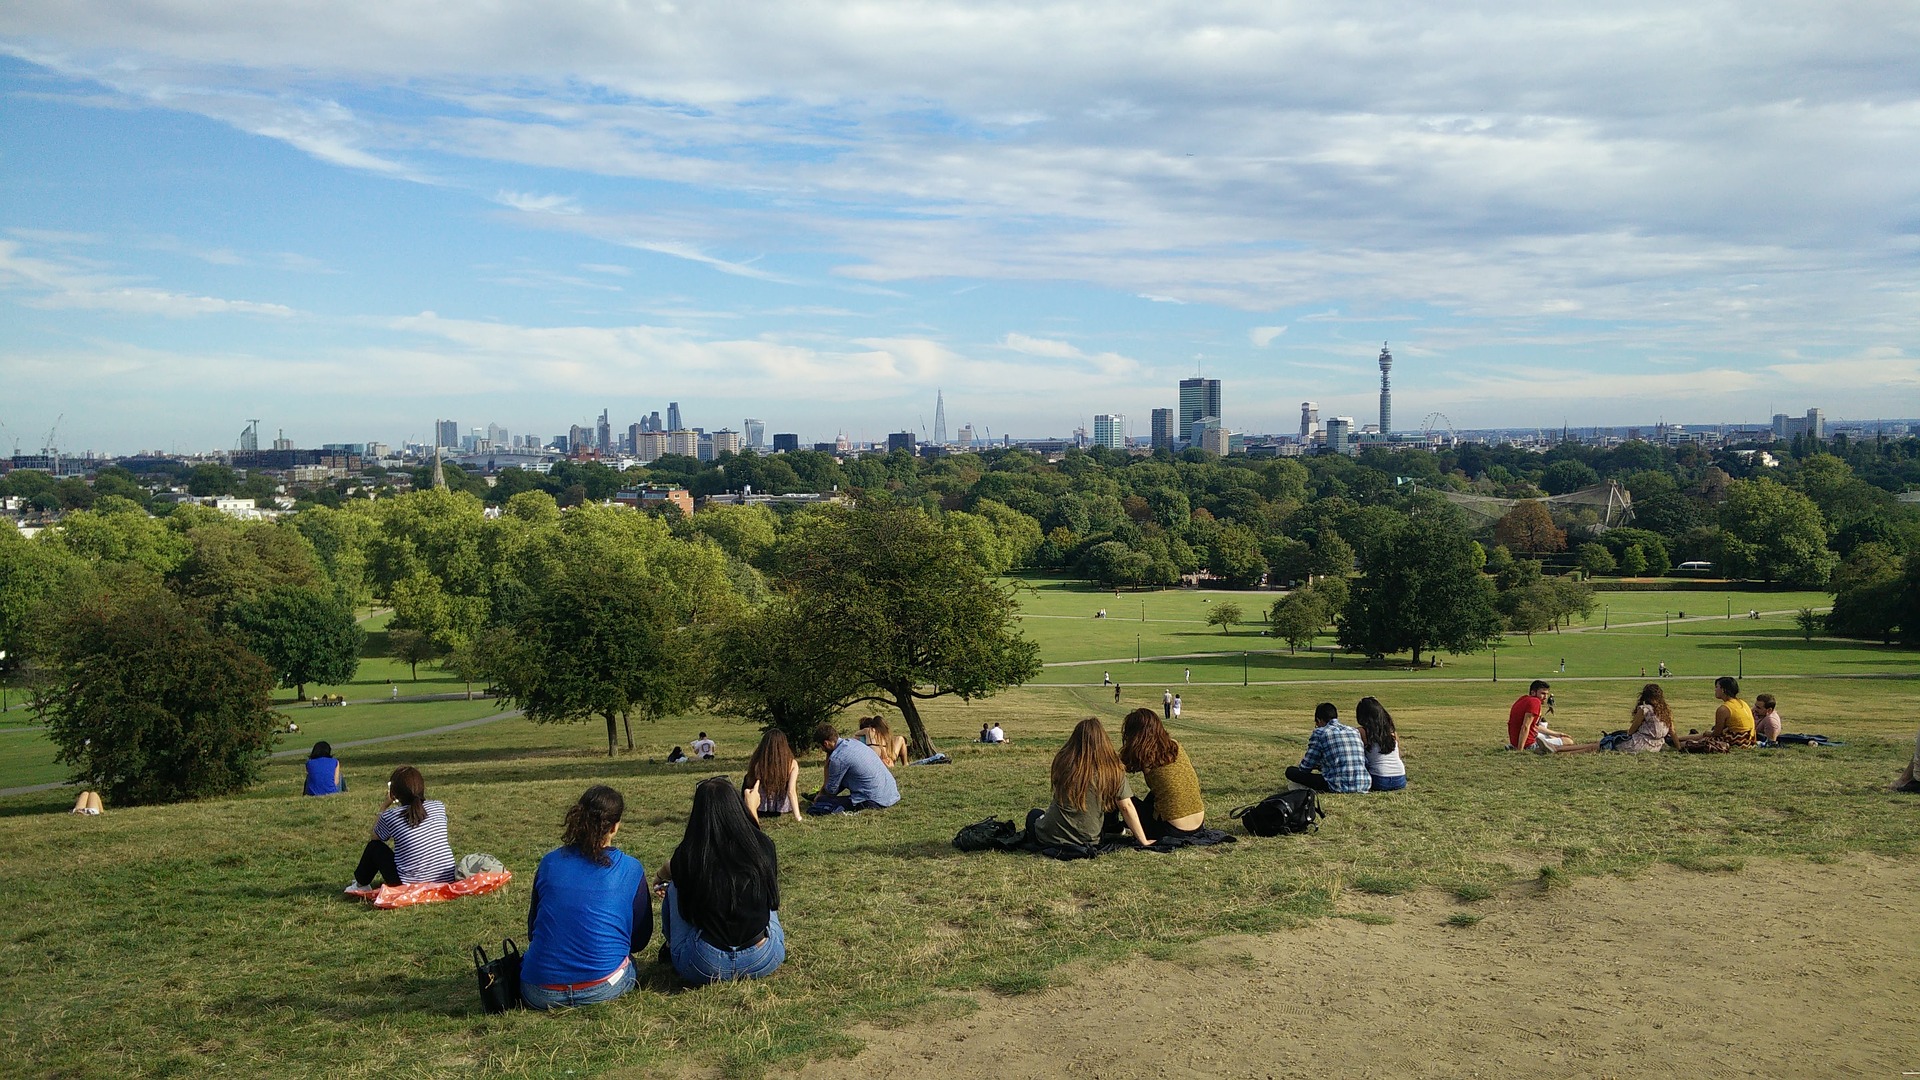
(431, 892)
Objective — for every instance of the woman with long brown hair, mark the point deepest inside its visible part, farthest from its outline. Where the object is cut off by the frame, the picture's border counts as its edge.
(1173, 802)
(772, 783)
(417, 826)
(1088, 780)
(1646, 733)
(591, 911)
(891, 748)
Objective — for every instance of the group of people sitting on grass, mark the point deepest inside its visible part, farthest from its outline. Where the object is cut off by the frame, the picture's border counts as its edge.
(1091, 795)
(1651, 729)
(1342, 760)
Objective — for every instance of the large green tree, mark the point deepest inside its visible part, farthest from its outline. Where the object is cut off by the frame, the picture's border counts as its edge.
(306, 635)
(1422, 589)
(148, 704)
(910, 614)
(1774, 533)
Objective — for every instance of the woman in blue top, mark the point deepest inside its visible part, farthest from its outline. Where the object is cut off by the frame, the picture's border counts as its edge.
(323, 772)
(591, 911)
(722, 904)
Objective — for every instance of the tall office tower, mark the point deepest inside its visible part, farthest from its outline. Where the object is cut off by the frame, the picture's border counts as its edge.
(446, 433)
(785, 442)
(1110, 430)
(1163, 432)
(673, 417)
(1386, 390)
(965, 438)
(578, 439)
(726, 441)
(1817, 425)
(1198, 398)
(900, 440)
(1309, 419)
(634, 431)
(250, 437)
(604, 434)
(1340, 435)
(939, 418)
(756, 433)
(497, 435)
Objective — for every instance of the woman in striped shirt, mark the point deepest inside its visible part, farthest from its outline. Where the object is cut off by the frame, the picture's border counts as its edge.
(417, 827)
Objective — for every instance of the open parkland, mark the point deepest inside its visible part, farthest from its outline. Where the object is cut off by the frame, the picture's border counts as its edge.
(1508, 914)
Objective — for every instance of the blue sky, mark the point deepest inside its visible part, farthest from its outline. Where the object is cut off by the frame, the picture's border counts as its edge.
(350, 219)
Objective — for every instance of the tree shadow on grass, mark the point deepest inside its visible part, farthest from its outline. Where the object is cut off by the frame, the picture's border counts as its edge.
(58, 801)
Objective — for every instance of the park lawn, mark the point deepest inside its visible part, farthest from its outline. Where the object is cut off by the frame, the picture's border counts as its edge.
(377, 669)
(185, 939)
(26, 757)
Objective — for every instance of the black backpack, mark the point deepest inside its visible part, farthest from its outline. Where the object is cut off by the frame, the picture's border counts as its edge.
(1294, 811)
(989, 835)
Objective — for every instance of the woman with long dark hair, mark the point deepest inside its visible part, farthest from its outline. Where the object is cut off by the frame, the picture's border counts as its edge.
(1173, 802)
(417, 826)
(891, 748)
(591, 913)
(323, 771)
(1646, 733)
(722, 892)
(1382, 744)
(772, 783)
(1088, 781)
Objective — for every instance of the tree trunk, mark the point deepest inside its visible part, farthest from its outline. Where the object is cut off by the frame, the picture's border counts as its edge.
(610, 731)
(626, 719)
(299, 691)
(918, 744)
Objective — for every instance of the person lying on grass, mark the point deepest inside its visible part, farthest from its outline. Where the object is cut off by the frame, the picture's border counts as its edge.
(1766, 719)
(1732, 723)
(88, 802)
(1173, 803)
(1335, 760)
(855, 778)
(1385, 770)
(1526, 721)
(1088, 781)
(418, 828)
(720, 895)
(591, 912)
(772, 785)
(1646, 733)
(891, 748)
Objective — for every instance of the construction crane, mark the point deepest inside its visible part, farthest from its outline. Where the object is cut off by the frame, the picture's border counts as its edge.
(49, 446)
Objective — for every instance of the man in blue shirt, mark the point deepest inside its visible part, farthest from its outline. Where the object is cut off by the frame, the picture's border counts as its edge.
(852, 768)
(1335, 760)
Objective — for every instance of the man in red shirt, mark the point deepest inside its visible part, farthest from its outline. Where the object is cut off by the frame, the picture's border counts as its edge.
(1525, 727)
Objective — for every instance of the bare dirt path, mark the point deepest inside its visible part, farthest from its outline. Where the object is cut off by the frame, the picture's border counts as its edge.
(1784, 968)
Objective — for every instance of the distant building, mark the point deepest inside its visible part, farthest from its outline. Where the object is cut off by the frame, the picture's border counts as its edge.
(446, 433)
(966, 436)
(1386, 390)
(648, 497)
(649, 445)
(1216, 440)
(682, 442)
(755, 432)
(1814, 424)
(1309, 420)
(900, 440)
(829, 448)
(1340, 439)
(1110, 431)
(1196, 432)
(1198, 398)
(726, 441)
(1164, 434)
(673, 417)
(603, 434)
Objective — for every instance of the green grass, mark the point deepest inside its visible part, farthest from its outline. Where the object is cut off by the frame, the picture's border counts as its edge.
(211, 936)
(1464, 919)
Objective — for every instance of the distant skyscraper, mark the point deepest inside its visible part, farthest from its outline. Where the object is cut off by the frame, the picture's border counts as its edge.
(1817, 424)
(1340, 435)
(1196, 434)
(654, 423)
(726, 441)
(603, 434)
(684, 443)
(446, 433)
(785, 442)
(1216, 440)
(578, 439)
(497, 435)
(1386, 390)
(939, 418)
(1198, 398)
(1309, 419)
(966, 435)
(756, 433)
(1110, 431)
(673, 417)
(900, 440)
(250, 437)
(634, 431)
(1163, 430)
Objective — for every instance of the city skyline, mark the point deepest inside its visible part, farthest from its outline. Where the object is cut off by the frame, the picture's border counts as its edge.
(341, 216)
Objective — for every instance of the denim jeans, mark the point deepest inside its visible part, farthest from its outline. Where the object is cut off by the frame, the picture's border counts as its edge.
(696, 961)
(1390, 783)
(538, 997)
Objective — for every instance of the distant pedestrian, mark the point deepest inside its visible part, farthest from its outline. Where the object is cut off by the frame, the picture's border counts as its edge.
(1106, 678)
(1663, 669)
(1643, 671)
(1176, 707)
(1189, 675)
(396, 691)
(1166, 704)
(1563, 665)
(1116, 691)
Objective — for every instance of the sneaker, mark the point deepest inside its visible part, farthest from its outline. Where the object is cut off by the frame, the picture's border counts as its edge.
(357, 888)
(1540, 747)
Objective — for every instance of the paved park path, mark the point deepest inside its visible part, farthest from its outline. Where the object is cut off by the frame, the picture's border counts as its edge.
(444, 729)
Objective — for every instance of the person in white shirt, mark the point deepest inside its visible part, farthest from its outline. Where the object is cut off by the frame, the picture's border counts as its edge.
(1176, 706)
(996, 734)
(1166, 704)
(703, 746)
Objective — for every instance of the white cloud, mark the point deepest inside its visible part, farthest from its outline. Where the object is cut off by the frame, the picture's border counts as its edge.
(1262, 336)
(530, 203)
(55, 284)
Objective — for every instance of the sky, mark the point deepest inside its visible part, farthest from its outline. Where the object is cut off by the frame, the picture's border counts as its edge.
(352, 218)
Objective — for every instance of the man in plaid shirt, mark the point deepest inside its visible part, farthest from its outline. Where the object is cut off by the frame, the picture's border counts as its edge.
(1335, 760)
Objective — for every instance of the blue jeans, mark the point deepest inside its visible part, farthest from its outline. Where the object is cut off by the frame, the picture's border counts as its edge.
(696, 961)
(839, 804)
(1390, 783)
(538, 997)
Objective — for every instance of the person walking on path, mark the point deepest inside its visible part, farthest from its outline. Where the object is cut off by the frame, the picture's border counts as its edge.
(1116, 692)
(1189, 675)
(1166, 704)
(1106, 678)
(1176, 707)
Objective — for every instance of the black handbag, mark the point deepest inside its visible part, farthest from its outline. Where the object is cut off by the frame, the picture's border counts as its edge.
(500, 978)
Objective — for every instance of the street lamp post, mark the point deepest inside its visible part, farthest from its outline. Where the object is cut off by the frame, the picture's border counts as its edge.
(3, 681)
(1243, 669)
(1606, 619)
(1136, 648)
(1668, 615)
(1496, 661)
(1740, 655)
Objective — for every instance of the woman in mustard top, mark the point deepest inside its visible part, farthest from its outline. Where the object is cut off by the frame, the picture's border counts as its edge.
(1173, 803)
(1732, 723)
